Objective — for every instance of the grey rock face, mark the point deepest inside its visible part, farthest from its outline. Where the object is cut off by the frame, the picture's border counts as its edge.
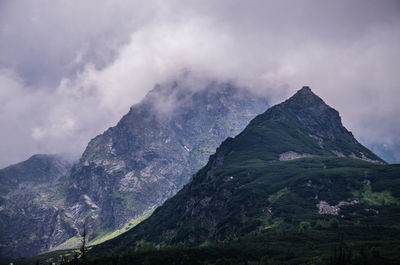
(154, 150)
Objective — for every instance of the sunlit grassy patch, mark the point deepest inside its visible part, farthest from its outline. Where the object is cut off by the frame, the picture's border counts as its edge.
(274, 197)
(376, 198)
(102, 238)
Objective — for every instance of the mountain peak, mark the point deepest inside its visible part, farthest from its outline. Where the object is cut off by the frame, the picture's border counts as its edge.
(306, 96)
(305, 89)
(304, 124)
(307, 108)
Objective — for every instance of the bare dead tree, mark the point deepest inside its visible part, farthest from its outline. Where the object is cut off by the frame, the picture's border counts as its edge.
(83, 249)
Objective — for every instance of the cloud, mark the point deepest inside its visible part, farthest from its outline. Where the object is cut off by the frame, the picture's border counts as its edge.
(36, 121)
(72, 70)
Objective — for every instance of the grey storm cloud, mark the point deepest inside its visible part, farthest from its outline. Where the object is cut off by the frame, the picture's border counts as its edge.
(70, 69)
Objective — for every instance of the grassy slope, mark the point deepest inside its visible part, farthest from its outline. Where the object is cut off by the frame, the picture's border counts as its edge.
(368, 236)
(258, 185)
(110, 235)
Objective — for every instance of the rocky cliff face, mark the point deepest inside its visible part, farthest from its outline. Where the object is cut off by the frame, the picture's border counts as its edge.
(31, 205)
(154, 150)
(130, 168)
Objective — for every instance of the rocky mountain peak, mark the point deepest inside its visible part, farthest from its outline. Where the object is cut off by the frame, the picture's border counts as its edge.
(308, 103)
(307, 110)
(303, 124)
(305, 92)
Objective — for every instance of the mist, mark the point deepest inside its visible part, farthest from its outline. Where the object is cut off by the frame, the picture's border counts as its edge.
(69, 70)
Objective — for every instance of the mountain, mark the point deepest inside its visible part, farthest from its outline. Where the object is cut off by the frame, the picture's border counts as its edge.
(125, 172)
(30, 201)
(154, 150)
(286, 187)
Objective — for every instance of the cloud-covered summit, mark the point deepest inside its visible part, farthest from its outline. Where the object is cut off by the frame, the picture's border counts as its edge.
(70, 70)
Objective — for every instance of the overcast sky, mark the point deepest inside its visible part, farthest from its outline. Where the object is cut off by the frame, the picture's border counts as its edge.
(69, 69)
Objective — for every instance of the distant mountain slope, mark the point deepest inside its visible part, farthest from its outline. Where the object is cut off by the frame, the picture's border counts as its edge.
(124, 172)
(37, 169)
(30, 202)
(154, 150)
(294, 163)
